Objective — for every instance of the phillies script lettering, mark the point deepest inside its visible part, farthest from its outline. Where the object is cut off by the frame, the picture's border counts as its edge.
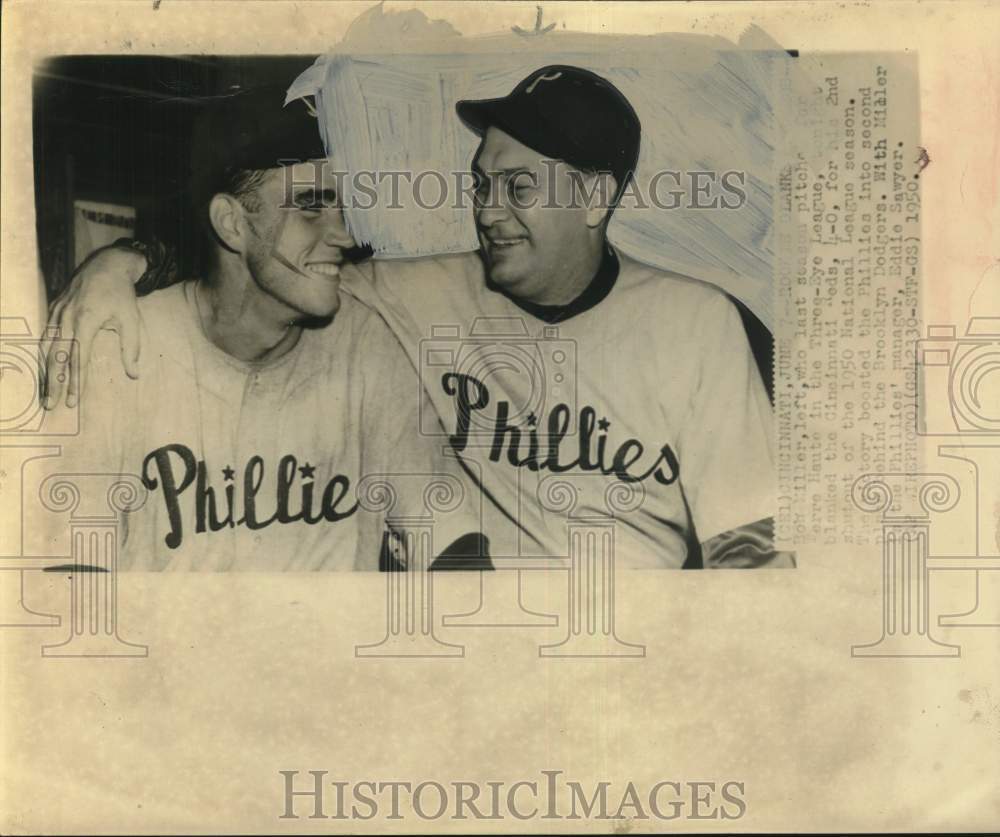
(175, 468)
(625, 463)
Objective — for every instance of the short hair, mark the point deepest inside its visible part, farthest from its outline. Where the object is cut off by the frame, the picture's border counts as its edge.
(242, 184)
(240, 136)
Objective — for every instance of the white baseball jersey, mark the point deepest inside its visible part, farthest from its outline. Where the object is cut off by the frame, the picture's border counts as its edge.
(647, 407)
(258, 466)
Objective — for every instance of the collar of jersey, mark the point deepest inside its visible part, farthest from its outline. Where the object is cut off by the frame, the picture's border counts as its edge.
(600, 286)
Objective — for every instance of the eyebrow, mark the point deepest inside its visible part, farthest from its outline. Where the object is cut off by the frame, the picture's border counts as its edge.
(505, 172)
(311, 195)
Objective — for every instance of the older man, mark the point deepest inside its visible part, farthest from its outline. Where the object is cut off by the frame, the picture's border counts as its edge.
(647, 379)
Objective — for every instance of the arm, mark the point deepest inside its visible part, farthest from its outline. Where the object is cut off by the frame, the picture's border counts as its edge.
(393, 444)
(101, 295)
(727, 451)
(96, 455)
(746, 547)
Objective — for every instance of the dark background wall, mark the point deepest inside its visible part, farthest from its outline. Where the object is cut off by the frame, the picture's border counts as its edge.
(117, 129)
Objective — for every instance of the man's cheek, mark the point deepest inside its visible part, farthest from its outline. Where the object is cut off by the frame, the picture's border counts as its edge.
(264, 229)
(284, 239)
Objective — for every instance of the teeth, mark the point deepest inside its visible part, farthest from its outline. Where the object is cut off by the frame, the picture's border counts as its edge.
(505, 242)
(325, 269)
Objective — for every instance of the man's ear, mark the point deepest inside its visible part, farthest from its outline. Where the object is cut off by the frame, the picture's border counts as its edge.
(228, 220)
(601, 197)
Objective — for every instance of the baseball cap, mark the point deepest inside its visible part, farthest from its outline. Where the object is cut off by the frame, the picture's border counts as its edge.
(250, 129)
(566, 113)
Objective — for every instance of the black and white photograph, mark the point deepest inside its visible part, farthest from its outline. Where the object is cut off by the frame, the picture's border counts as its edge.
(307, 343)
(365, 364)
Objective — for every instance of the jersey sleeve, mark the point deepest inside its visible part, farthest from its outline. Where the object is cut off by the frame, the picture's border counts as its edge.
(430, 484)
(96, 453)
(726, 447)
(99, 415)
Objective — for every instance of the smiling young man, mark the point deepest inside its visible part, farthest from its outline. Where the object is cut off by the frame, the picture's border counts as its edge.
(265, 397)
(657, 389)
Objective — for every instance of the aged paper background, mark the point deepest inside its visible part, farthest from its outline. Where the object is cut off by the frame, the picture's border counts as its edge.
(747, 677)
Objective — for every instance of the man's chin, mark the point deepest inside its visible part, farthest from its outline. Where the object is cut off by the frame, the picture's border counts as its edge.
(320, 312)
(503, 275)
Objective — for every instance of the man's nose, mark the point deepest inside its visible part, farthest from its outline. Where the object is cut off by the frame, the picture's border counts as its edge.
(492, 210)
(335, 232)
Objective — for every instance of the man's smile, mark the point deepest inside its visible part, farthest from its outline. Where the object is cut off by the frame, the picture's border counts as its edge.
(500, 243)
(329, 270)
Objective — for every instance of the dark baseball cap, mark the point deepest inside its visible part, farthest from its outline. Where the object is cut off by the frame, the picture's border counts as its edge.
(566, 113)
(250, 129)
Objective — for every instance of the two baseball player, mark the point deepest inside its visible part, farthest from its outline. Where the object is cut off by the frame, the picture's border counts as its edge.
(664, 400)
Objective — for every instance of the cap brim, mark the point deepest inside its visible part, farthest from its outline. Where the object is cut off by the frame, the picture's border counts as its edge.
(534, 132)
(480, 114)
